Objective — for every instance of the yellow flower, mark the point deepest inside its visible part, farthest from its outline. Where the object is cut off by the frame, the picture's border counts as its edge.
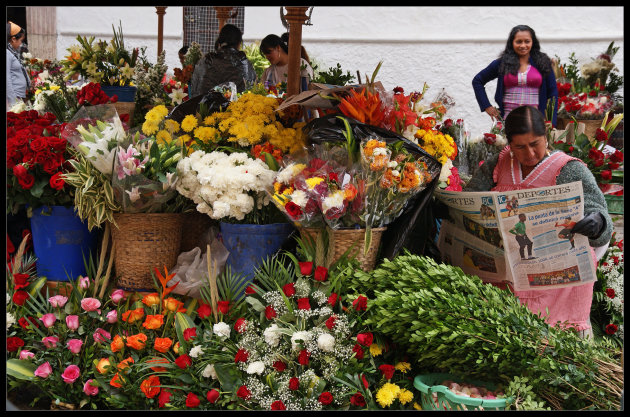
(163, 137)
(171, 125)
(417, 406)
(189, 123)
(403, 367)
(149, 127)
(375, 349)
(184, 139)
(387, 394)
(405, 396)
(312, 182)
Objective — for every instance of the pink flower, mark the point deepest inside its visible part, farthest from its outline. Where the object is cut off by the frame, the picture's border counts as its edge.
(117, 296)
(99, 335)
(70, 374)
(112, 316)
(50, 341)
(89, 389)
(84, 283)
(26, 354)
(58, 301)
(72, 321)
(74, 345)
(90, 304)
(48, 319)
(43, 370)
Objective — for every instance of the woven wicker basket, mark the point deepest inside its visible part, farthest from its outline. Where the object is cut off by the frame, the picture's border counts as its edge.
(145, 241)
(342, 240)
(590, 126)
(195, 225)
(125, 107)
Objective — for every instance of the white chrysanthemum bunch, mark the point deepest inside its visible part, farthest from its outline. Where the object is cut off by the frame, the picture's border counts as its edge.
(224, 185)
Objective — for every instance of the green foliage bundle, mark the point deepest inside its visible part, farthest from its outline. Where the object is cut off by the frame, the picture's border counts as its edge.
(334, 76)
(258, 60)
(456, 323)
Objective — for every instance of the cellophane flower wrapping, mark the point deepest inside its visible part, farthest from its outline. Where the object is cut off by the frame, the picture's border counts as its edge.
(96, 132)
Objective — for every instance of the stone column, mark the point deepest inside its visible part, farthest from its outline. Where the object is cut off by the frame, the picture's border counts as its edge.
(42, 32)
(160, 11)
(296, 16)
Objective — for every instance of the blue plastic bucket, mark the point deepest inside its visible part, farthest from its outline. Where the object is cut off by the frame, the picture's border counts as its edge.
(124, 93)
(60, 240)
(249, 244)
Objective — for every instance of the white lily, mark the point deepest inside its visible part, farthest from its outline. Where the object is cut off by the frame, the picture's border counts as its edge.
(127, 71)
(177, 95)
(134, 194)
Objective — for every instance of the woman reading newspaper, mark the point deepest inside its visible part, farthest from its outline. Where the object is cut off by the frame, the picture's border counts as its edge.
(527, 162)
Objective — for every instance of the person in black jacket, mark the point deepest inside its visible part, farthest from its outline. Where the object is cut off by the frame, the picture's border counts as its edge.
(226, 63)
(524, 77)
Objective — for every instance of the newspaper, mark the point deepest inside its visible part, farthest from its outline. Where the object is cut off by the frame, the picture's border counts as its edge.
(521, 237)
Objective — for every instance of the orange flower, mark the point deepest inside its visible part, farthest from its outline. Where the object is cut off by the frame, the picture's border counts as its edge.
(151, 299)
(116, 381)
(137, 341)
(125, 364)
(164, 280)
(363, 106)
(150, 386)
(103, 365)
(176, 348)
(117, 344)
(153, 322)
(156, 361)
(172, 304)
(162, 344)
(132, 315)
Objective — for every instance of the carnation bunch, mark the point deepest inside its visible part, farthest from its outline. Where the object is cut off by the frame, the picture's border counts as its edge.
(607, 307)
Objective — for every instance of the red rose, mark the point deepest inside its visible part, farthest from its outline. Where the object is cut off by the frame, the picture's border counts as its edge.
(606, 175)
(56, 182)
(51, 165)
(332, 299)
(14, 343)
(270, 312)
(289, 289)
(306, 268)
(20, 281)
(398, 90)
(387, 370)
(294, 384)
(600, 135)
(325, 398)
(617, 156)
(19, 297)
(330, 323)
(113, 99)
(212, 396)
(358, 350)
(571, 148)
(241, 356)
(39, 144)
(243, 392)
(333, 177)
(204, 311)
(190, 333)
(250, 290)
(303, 357)
(57, 143)
(595, 154)
(321, 273)
(223, 306)
(192, 400)
(598, 162)
(357, 400)
(25, 322)
(164, 397)
(42, 157)
(365, 381)
(613, 165)
(278, 406)
(610, 293)
(183, 361)
(293, 210)
(279, 366)
(20, 171)
(611, 329)
(360, 304)
(303, 304)
(490, 138)
(365, 339)
(240, 325)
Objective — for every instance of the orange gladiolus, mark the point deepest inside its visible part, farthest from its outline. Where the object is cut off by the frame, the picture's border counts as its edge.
(125, 363)
(153, 322)
(158, 361)
(132, 315)
(173, 305)
(162, 344)
(137, 341)
(150, 386)
(117, 344)
(103, 365)
(117, 381)
(151, 299)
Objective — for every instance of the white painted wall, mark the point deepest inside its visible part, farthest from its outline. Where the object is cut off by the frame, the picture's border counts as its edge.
(444, 46)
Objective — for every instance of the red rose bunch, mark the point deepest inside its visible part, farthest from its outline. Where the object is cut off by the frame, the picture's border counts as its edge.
(36, 159)
(92, 95)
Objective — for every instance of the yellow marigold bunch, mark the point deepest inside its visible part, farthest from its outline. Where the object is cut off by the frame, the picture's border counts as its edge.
(189, 123)
(375, 349)
(405, 396)
(441, 146)
(403, 367)
(386, 395)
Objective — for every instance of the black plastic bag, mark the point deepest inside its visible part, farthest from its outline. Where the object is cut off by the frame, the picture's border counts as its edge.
(214, 100)
(411, 229)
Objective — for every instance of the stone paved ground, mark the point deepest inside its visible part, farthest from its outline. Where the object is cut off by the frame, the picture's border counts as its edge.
(618, 225)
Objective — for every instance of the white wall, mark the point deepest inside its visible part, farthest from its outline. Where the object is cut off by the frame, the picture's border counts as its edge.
(444, 46)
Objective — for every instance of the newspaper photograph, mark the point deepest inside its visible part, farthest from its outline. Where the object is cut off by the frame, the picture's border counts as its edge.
(530, 240)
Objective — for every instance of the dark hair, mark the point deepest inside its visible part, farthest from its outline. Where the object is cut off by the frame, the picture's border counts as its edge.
(303, 54)
(524, 119)
(269, 42)
(522, 215)
(229, 36)
(509, 59)
(183, 50)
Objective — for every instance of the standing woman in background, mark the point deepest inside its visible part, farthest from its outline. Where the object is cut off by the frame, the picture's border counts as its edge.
(276, 50)
(524, 77)
(18, 81)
